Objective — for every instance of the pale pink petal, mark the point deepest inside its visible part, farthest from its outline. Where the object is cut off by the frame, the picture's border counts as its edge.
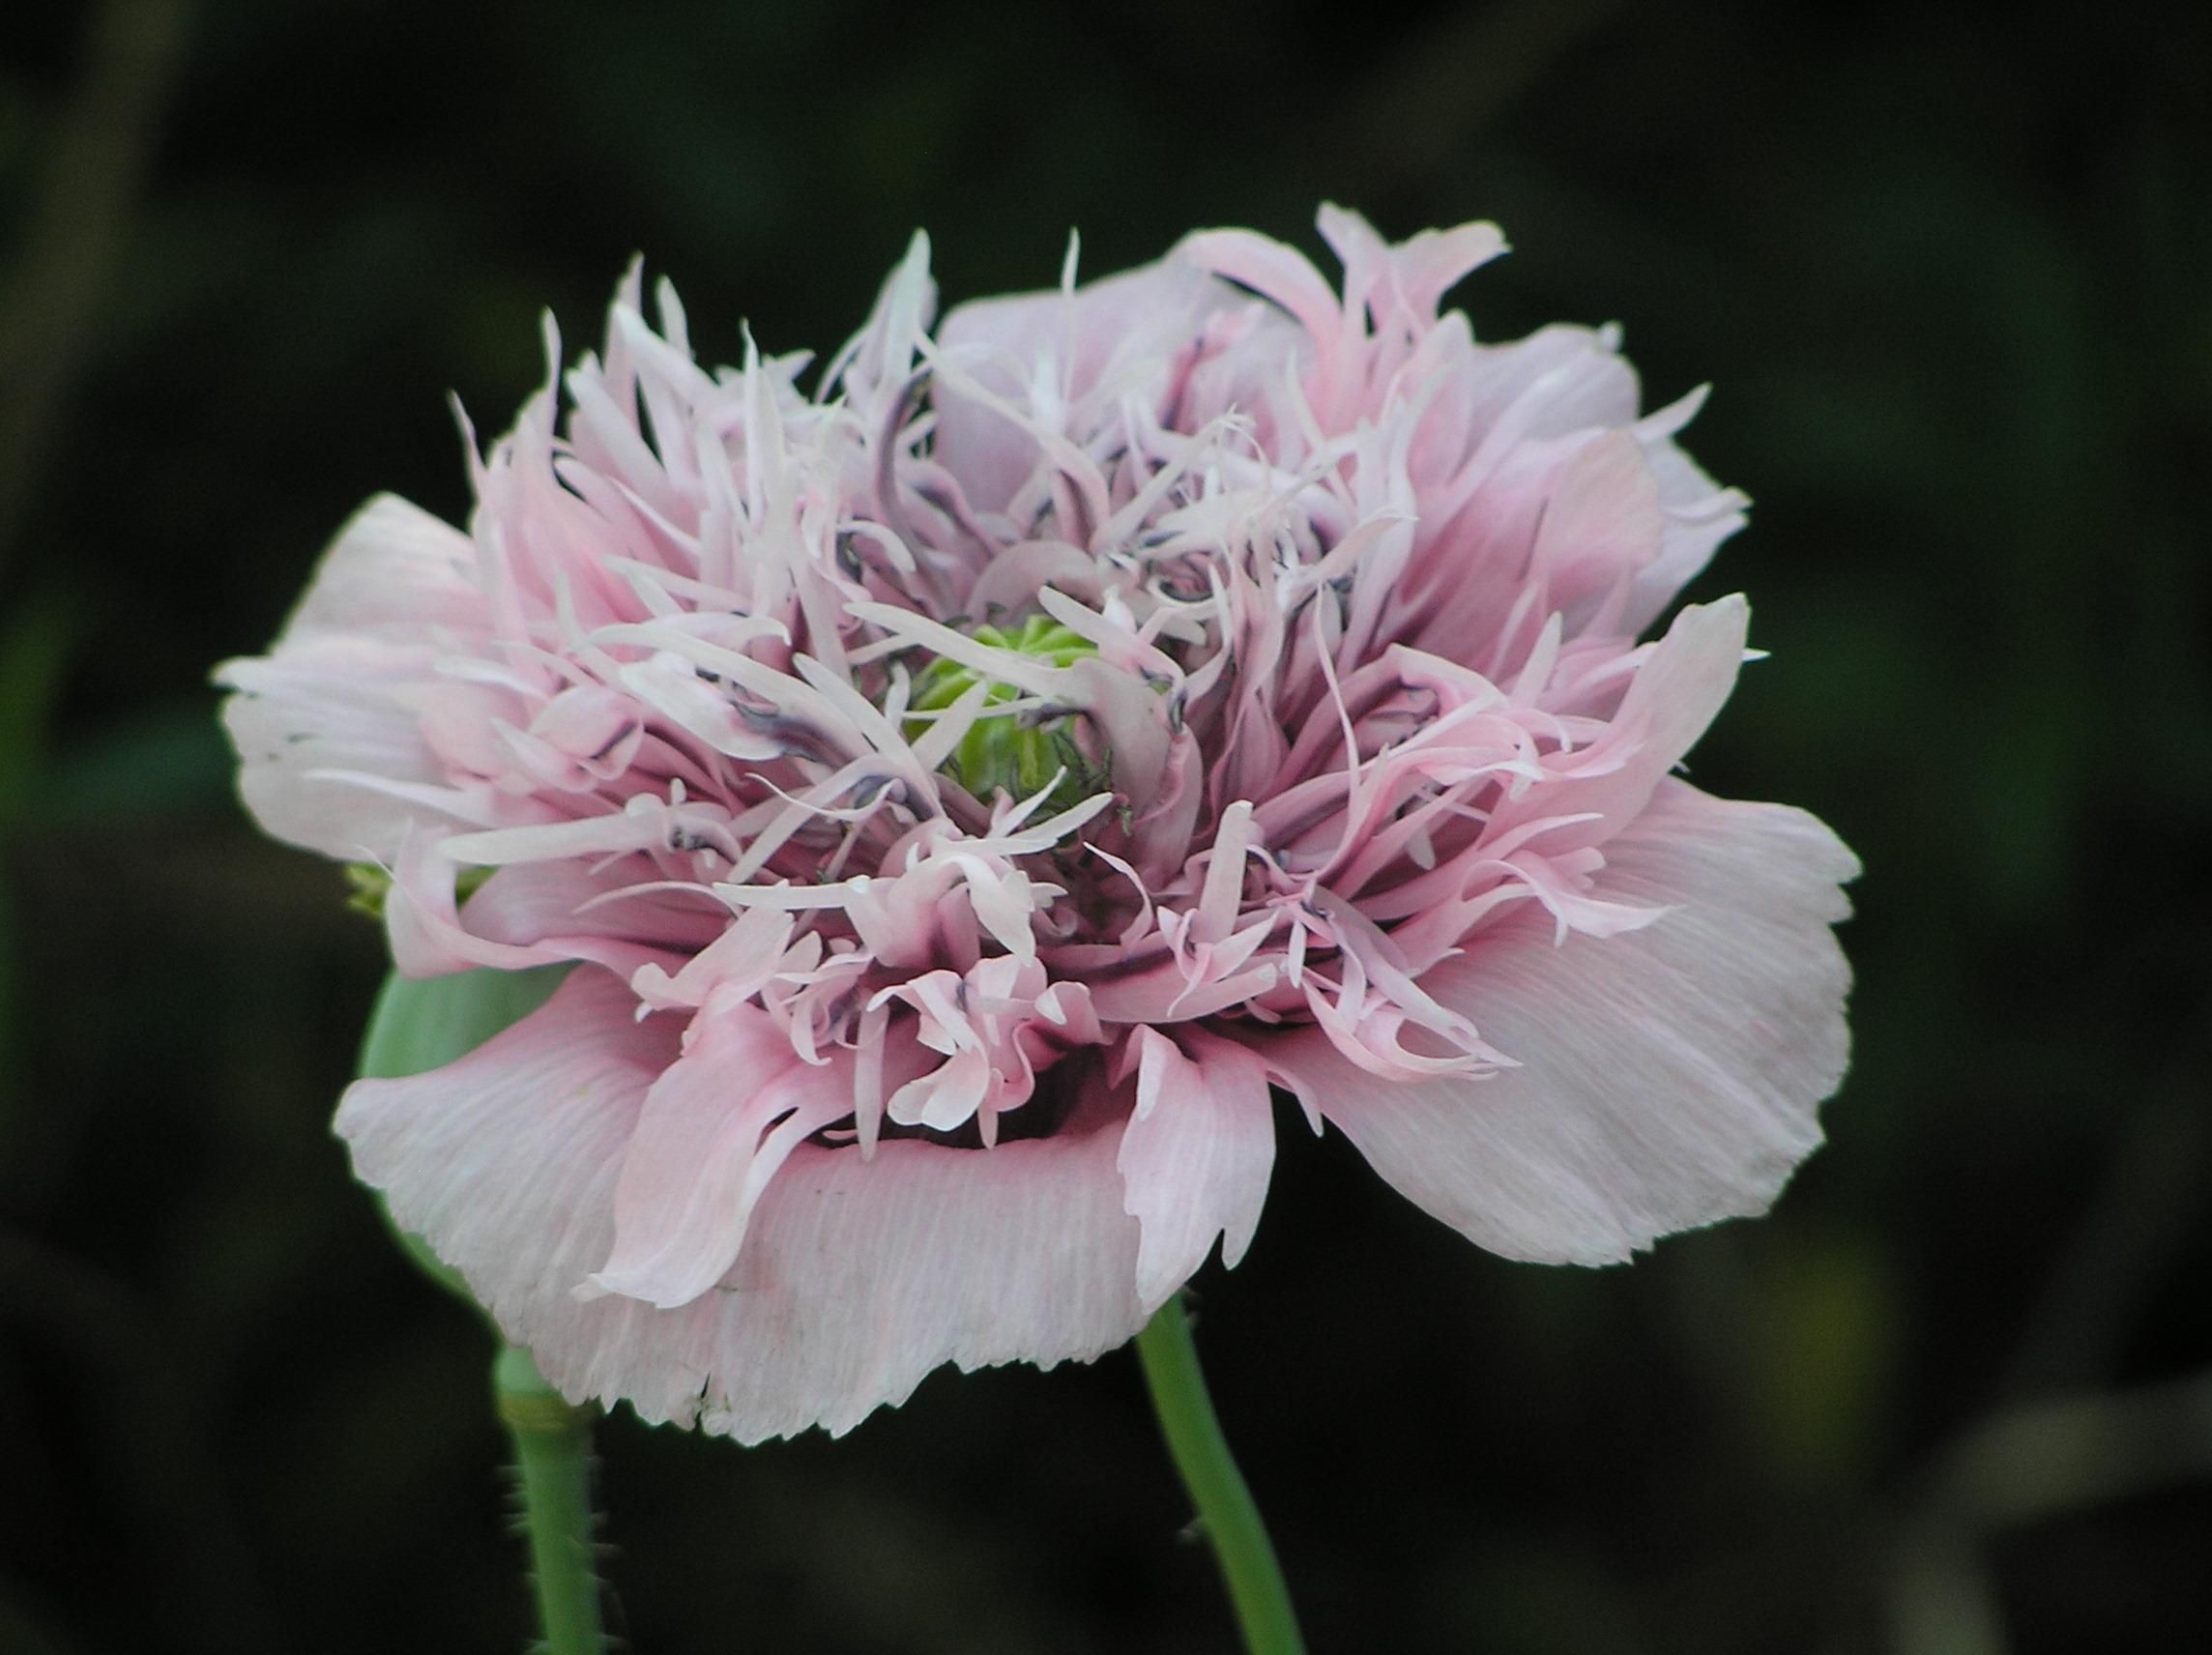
(1669, 1077)
(1399, 287)
(1436, 261)
(1196, 1155)
(1558, 380)
(1275, 272)
(1602, 527)
(1699, 512)
(1676, 692)
(538, 902)
(503, 1159)
(431, 937)
(1327, 620)
(861, 1276)
(858, 1278)
(310, 721)
(713, 1129)
(326, 705)
(393, 570)
(1115, 325)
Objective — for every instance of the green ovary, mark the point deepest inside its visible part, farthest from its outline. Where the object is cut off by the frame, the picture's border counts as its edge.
(1009, 752)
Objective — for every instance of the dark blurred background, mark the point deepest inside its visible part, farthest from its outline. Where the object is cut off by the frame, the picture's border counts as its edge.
(1953, 282)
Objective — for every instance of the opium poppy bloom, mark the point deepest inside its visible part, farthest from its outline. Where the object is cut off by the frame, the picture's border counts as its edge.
(968, 793)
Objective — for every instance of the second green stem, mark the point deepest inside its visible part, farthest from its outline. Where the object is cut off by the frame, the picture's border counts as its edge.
(552, 1451)
(1224, 1506)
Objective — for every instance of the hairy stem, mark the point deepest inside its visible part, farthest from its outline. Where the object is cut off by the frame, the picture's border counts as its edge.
(552, 1452)
(1232, 1521)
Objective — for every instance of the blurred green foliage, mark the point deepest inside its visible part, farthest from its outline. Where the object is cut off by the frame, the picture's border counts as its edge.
(1953, 282)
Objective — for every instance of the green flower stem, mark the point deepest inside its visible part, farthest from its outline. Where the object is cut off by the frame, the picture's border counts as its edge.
(422, 1025)
(552, 1451)
(1225, 1509)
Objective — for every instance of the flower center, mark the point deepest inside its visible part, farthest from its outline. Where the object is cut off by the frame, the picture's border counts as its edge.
(1018, 752)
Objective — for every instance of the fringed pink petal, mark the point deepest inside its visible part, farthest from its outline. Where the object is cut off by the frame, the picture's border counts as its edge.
(1677, 691)
(538, 902)
(1603, 526)
(714, 1130)
(862, 1276)
(1010, 367)
(316, 722)
(1196, 1155)
(859, 1276)
(431, 936)
(1668, 1076)
(328, 705)
(1005, 759)
(394, 571)
(505, 1161)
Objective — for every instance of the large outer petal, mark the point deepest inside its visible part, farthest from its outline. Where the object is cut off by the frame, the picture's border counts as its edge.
(393, 591)
(858, 1276)
(1669, 1076)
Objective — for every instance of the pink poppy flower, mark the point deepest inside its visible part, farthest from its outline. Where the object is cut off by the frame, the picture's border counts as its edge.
(969, 791)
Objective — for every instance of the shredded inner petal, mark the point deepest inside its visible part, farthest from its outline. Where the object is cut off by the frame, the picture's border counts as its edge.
(1046, 680)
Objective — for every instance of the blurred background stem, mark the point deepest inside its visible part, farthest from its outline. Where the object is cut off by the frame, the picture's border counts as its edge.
(1226, 1509)
(96, 166)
